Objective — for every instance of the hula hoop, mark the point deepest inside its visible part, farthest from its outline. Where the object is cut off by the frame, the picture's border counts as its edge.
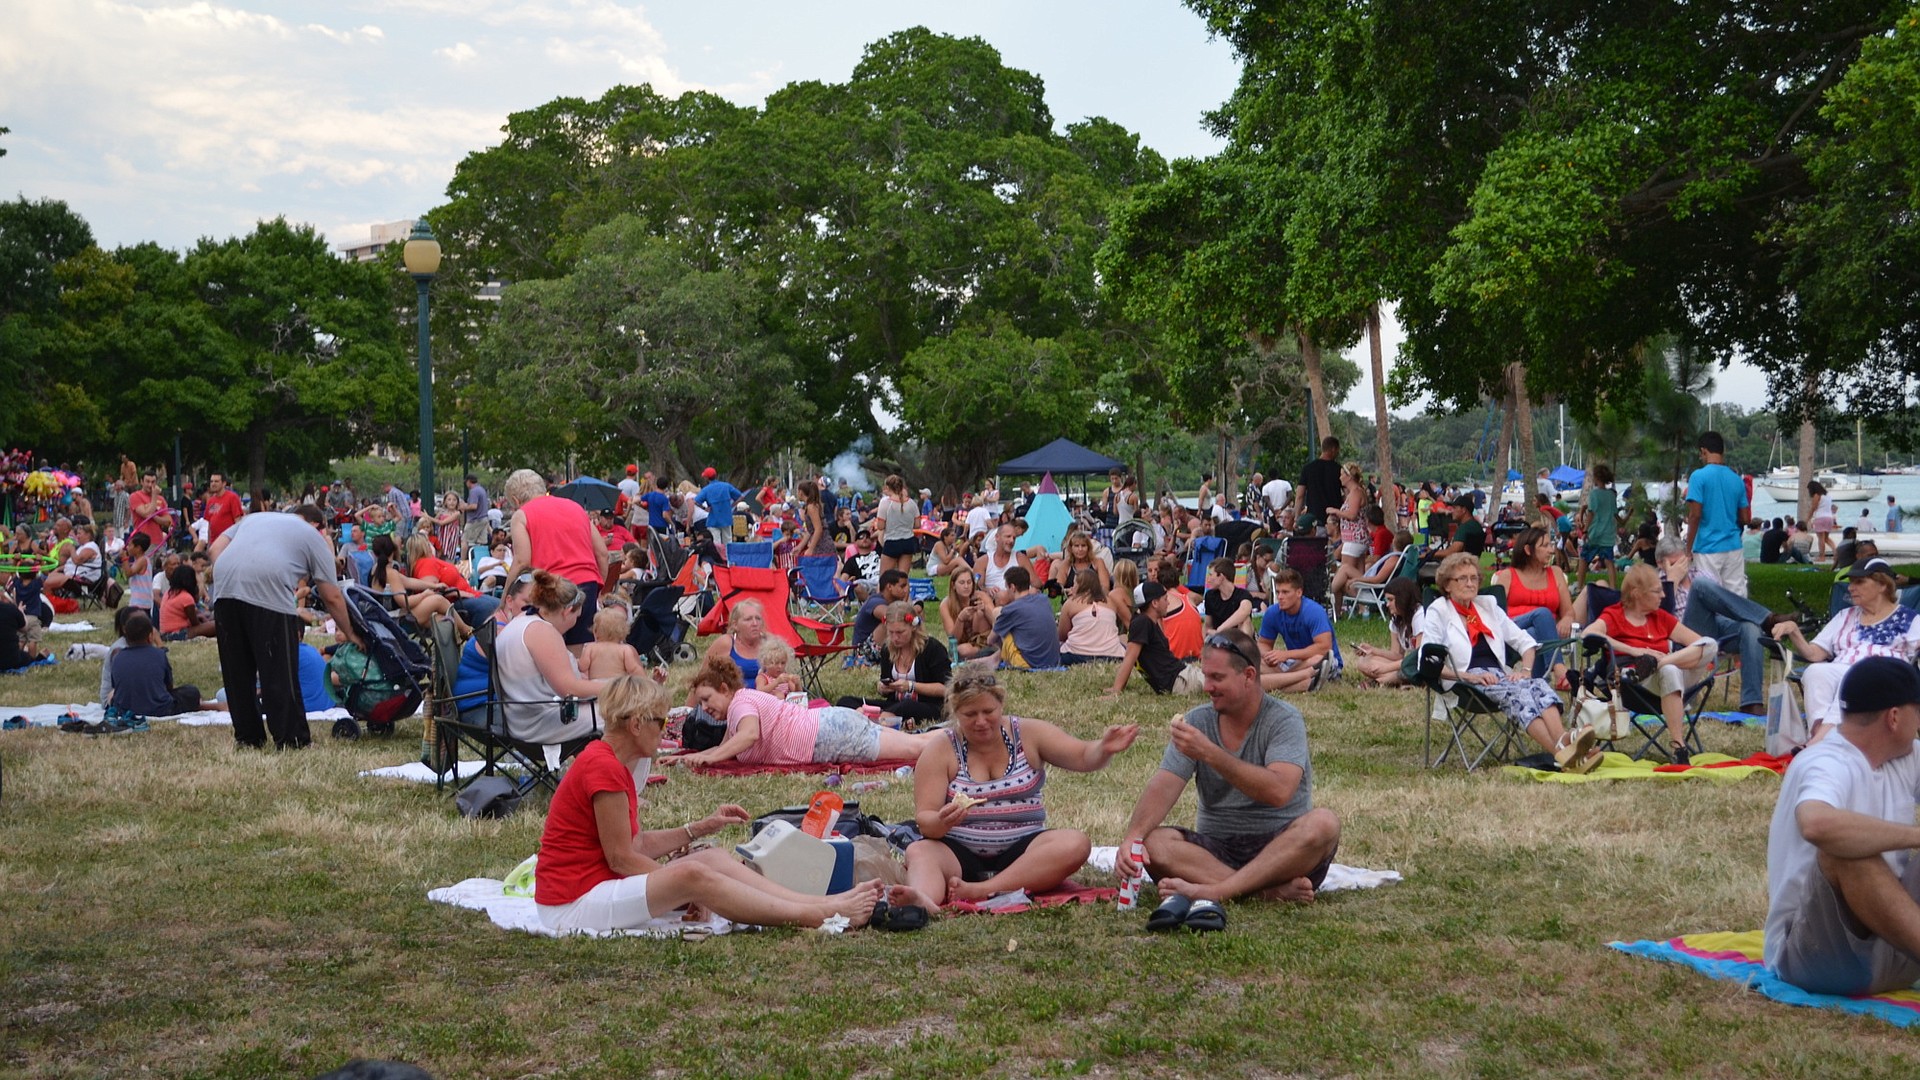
(27, 564)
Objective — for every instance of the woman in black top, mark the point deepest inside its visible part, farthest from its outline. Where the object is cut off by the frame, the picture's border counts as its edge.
(914, 668)
(15, 651)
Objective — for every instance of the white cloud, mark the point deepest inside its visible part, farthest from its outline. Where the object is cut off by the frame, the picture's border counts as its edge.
(459, 53)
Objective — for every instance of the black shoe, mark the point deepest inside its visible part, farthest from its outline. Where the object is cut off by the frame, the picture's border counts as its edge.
(1679, 755)
(1171, 913)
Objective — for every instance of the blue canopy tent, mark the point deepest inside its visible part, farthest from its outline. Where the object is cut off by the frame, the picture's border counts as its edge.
(1061, 457)
(1567, 476)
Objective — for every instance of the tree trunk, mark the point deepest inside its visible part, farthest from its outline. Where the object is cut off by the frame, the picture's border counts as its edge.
(1503, 456)
(1523, 417)
(1382, 447)
(1317, 386)
(1806, 449)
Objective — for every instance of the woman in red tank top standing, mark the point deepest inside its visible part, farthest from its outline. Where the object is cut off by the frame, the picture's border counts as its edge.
(1538, 599)
(554, 534)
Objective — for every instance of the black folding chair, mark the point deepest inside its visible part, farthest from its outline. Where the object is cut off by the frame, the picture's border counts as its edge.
(484, 732)
(1473, 728)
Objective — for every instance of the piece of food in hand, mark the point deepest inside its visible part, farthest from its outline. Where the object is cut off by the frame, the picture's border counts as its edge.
(966, 802)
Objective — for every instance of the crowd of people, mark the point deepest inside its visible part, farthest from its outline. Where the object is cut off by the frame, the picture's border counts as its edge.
(1236, 600)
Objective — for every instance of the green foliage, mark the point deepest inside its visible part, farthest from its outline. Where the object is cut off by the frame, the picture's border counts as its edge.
(634, 345)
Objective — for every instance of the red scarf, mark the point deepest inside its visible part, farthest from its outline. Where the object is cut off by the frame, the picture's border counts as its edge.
(1476, 628)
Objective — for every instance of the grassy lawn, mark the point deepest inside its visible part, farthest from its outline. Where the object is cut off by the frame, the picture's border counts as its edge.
(176, 907)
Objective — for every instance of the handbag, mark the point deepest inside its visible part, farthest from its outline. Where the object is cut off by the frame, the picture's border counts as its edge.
(700, 731)
(1608, 718)
(1786, 724)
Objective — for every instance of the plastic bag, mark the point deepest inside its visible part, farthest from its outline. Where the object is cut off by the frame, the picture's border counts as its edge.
(1786, 724)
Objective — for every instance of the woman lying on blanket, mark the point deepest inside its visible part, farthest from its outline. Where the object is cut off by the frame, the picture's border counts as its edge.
(766, 730)
(976, 793)
(1638, 627)
(599, 871)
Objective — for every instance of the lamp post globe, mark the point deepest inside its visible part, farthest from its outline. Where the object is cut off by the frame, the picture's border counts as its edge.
(422, 258)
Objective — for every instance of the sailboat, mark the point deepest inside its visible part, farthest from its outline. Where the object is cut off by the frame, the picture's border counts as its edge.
(1786, 488)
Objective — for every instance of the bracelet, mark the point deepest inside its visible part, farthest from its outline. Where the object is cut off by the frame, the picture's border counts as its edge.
(689, 831)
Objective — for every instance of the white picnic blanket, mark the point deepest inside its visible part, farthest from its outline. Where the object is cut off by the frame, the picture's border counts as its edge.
(519, 913)
(71, 628)
(1338, 876)
(419, 773)
(91, 712)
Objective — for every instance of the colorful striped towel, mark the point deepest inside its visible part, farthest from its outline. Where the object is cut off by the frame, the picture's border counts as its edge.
(1067, 892)
(1617, 766)
(1736, 956)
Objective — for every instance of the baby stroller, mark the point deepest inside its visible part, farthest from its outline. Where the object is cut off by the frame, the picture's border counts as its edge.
(381, 684)
(1133, 540)
(665, 603)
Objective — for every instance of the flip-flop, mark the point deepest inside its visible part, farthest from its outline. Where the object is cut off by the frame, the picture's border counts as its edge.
(1171, 913)
(902, 917)
(1206, 915)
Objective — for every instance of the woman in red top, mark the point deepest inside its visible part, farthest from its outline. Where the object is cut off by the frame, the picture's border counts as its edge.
(553, 534)
(181, 616)
(599, 871)
(1638, 626)
(1538, 598)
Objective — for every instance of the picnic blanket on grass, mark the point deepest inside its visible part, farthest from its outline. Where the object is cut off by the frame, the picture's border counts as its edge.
(24, 668)
(51, 715)
(1736, 957)
(1339, 877)
(1618, 766)
(1737, 719)
(819, 768)
(520, 913)
(1067, 892)
(71, 628)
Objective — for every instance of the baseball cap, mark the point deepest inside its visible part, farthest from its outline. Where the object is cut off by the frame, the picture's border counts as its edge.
(1871, 566)
(1151, 591)
(1877, 683)
(708, 473)
(633, 470)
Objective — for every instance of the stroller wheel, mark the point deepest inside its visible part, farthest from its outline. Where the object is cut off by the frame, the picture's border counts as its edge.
(346, 728)
(686, 653)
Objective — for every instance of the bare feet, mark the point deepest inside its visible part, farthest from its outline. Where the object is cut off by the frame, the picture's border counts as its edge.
(1297, 891)
(908, 896)
(856, 903)
(967, 890)
(1168, 886)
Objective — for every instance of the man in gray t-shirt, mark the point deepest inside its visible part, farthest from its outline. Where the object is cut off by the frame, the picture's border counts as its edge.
(1257, 831)
(257, 566)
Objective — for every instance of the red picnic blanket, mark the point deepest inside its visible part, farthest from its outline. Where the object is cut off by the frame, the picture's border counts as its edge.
(1067, 892)
(1764, 761)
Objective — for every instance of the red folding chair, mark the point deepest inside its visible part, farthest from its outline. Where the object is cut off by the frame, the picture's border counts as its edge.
(770, 587)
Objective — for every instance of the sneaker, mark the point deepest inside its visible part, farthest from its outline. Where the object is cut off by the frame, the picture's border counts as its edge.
(13, 723)
(1679, 755)
(74, 727)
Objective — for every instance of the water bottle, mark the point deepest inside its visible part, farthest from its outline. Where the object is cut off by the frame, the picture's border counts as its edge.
(1130, 885)
(903, 771)
(865, 786)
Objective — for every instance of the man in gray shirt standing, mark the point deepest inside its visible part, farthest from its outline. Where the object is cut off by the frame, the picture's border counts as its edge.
(400, 508)
(1257, 831)
(476, 529)
(257, 566)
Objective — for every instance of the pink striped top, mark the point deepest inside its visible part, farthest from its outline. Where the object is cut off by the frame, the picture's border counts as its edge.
(787, 730)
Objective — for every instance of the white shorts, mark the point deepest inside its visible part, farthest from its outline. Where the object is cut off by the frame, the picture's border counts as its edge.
(619, 904)
(1355, 549)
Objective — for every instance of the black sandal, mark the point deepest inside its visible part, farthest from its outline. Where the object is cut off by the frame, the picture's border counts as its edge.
(900, 918)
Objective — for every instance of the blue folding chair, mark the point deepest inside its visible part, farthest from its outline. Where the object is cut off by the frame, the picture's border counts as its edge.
(822, 595)
(1205, 550)
(757, 554)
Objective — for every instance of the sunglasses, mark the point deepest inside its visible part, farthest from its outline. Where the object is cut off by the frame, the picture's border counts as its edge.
(1230, 645)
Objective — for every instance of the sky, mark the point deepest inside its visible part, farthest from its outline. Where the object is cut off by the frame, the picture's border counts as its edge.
(169, 121)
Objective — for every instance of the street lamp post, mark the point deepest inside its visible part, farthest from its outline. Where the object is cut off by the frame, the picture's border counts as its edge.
(422, 258)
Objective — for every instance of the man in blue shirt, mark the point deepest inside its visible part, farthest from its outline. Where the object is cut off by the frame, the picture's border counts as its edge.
(1027, 623)
(719, 498)
(658, 504)
(1297, 647)
(1717, 511)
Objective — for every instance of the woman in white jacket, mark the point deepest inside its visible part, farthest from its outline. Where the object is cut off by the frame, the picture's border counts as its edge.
(1477, 634)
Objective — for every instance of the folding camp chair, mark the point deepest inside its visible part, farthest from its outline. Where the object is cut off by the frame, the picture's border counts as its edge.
(477, 722)
(1372, 596)
(734, 584)
(1473, 728)
(758, 554)
(822, 594)
(1648, 728)
(1205, 550)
